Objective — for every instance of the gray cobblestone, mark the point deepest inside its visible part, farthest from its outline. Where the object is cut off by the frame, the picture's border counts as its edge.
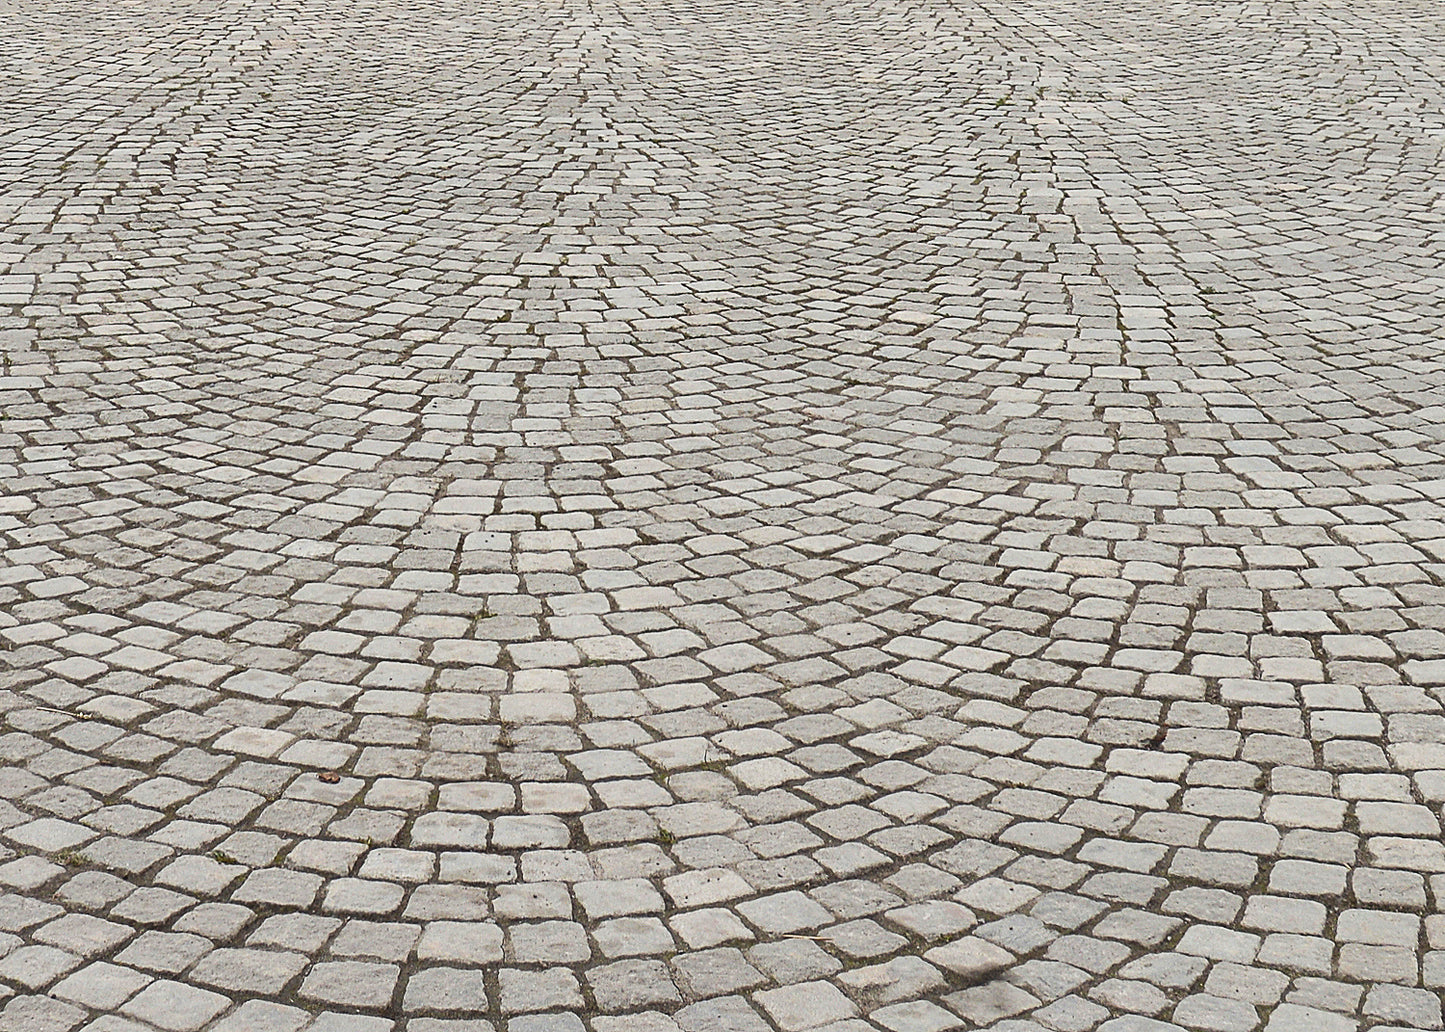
(175, 1006)
(716, 518)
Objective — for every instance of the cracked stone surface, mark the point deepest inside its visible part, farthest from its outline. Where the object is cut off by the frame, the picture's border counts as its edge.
(722, 517)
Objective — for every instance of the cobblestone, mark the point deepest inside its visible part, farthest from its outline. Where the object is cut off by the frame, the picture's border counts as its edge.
(721, 518)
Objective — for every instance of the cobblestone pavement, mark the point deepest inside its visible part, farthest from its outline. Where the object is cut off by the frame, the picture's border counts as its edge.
(722, 517)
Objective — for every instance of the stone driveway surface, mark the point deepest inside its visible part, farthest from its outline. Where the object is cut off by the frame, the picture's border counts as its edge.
(717, 516)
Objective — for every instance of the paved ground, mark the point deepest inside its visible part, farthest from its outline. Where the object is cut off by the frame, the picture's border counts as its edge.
(722, 517)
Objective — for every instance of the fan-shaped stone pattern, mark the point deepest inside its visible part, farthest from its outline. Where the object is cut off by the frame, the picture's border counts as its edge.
(721, 516)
